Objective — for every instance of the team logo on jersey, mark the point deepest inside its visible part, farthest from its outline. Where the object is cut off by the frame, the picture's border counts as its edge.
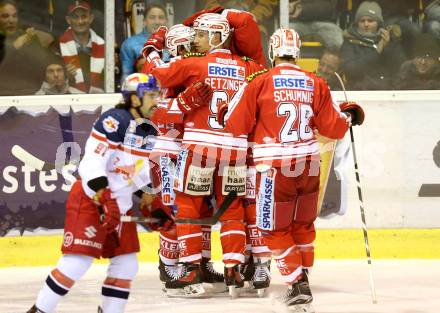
(132, 140)
(265, 200)
(227, 71)
(110, 124)
(292, 82)
(68, 239)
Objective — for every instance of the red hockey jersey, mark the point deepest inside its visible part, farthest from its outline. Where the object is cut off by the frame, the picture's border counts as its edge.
(282, 108)
(225, 73)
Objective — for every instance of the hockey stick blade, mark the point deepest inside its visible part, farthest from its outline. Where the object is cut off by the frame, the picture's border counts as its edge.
(213, 219)
(32, 161)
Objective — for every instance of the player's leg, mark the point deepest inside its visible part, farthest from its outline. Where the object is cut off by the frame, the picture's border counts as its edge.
(122, 268)
(233, 231)
(209, 274)
(192, 182)
(83, 240)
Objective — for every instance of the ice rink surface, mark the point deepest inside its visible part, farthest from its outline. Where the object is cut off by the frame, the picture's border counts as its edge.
(339, 286)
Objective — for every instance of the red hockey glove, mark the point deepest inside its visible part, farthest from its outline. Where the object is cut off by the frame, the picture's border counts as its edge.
(189, 21)
(222, 109)
(155, 42)
(111, 215)
(159, 211)
(195, 96)
(356, 112)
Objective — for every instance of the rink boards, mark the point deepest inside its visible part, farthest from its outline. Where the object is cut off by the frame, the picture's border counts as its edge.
(330, 244)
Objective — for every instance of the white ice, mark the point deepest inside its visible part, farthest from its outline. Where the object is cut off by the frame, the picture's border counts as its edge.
(339, 286)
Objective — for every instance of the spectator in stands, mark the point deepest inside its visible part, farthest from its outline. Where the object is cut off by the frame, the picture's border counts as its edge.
(56, 82)
(154, 16)
(315, 20)
(422, 71)
(329, 63)
(23, 61)
(370, 53)
(82, 49)
(433, 18)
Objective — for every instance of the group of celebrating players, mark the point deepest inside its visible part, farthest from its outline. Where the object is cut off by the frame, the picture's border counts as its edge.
(212, 124)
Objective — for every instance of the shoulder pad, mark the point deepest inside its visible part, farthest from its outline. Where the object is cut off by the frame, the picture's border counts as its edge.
(246, 58)
(193, 54)
(253, 75)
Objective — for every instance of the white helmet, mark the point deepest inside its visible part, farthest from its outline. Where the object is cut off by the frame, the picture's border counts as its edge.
(179, 35)
(284, 43)
(213, 23)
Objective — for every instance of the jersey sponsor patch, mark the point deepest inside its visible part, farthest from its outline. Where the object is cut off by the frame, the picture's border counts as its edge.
(227, 71)
(292, 82)
(133, 140)
(251, 179)
(166, 173)
(265, 200)
(110, 124)
(68, 239)
(199, 180)
(234, 179)
(180, 170)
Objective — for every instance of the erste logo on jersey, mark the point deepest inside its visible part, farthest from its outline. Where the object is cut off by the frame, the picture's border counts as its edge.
(226, 71)
(110, 124)
(292, 82)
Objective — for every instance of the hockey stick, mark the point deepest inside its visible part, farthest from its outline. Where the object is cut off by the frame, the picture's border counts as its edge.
(138, 219)
(32, 161)
(213, 219)
(361, 202)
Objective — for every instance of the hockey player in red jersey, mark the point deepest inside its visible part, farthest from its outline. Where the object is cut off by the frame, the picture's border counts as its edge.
(206, 145)
(169, 118)
(115, 165)
(281, 109)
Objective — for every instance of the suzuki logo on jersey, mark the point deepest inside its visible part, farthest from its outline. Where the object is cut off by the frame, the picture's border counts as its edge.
(228, 71)
(266, 200)
(292, 82)
(90, 232)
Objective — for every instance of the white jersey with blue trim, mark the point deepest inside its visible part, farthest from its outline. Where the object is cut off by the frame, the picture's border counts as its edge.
(118, 148)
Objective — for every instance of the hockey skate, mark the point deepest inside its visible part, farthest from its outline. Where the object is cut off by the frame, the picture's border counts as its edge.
(34, 309)
(234, 280)
(188, 283)
(168, 272)
(298, 297)
(247, 270)
(261, 277)
(212, 277)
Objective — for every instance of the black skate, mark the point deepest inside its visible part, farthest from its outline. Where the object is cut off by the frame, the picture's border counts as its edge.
(187, 284)
(34, 309)
(233, 279)
(247, 270)
(100, 310)
(298, 297)
(261, 278)
(210, 276)
(168, 272)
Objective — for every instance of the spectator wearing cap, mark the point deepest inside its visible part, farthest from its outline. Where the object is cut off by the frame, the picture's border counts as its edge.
(82, 49)
(422, 71)
(23, 54)
(370, 54)
(154, 16)
(56, 82)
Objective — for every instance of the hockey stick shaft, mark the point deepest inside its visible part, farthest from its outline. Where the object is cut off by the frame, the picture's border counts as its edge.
(361, 203)
(230, 197)
(138, 219)
(32, 161)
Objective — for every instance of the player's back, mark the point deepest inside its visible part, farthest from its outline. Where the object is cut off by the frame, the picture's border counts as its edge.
(225, 73)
